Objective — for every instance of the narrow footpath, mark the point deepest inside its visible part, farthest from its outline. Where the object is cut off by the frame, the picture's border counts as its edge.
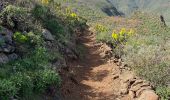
(95, 78)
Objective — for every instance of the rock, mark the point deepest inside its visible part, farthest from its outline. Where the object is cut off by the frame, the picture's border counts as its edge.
(6, 35)
(139, 81)
(148, 95)
(138, 86)
(103, 55)
(59, 63)
(131, 94)
(127, 76)
(12, 57)
(139, 92)
(70, 54)
(124, 88)
(47, 35)
(115, 76)
(3, 58)
(8, 49)
(124, 91)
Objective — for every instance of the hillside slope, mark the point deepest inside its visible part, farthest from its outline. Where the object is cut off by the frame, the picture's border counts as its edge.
(93, 9)
(160, 7)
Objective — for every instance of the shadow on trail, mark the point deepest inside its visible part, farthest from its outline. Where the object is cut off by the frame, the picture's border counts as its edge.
(88, 74)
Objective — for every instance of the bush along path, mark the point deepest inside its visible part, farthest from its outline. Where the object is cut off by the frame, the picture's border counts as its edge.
(95, 78)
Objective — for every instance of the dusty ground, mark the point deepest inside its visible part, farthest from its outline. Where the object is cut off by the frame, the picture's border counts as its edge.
(91, 77)
(95, 78)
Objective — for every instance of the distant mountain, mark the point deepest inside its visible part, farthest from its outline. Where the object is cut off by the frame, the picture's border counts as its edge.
(93, 9)
(161, 7)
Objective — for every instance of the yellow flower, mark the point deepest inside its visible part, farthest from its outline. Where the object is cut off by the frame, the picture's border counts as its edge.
(123, 31)
(73, 15)
(46, 2)
(114, 36)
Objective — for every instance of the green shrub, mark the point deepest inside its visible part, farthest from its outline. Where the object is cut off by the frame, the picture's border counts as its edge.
(7, 89)
(46, 78)
(19, 37)
(40, 11)
(16, 18)
(31, 75)
(24, 83)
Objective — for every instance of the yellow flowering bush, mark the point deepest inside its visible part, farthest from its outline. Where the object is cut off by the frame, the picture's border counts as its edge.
(122, 35)
(100, 28)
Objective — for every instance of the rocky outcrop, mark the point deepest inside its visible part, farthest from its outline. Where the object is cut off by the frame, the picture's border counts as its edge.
(106, 51)
(7, 48)
(131, 86)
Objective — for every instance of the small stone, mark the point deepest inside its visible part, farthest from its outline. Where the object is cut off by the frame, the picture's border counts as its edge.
(148, 95)
(7, 35)
(138, 85)
(135, 88)
(115, 76)
(124, 91)
(71, 54)
(13, 57)
(139, 92)
(124, 88)
(47, 35)
(127, 76)
(8, 49)
(3, 58)
(139, 81)
(131, 94)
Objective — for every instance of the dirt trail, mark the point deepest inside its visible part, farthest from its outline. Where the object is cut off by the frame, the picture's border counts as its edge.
(91, 78)
(95, 78)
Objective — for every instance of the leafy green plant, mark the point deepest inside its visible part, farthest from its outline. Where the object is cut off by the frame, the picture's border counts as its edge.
(28, 76)
(21, 38)
(46, 78)
(7, 89)
(24, 83)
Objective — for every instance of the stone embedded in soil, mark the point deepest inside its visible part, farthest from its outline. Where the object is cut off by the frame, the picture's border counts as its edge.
(115, 76)
(148, 95)
(13, 56)
(131, 94)
(47, 35)
(138, 86)
(7, 35)
(8, 49)
(3, 58)
(139, 92)
(127, 76)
